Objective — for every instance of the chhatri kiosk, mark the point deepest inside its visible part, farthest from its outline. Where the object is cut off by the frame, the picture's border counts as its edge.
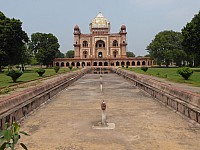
(100, 47)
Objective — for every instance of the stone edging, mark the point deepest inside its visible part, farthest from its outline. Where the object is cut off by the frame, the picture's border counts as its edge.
(17, 106)
(183, 101)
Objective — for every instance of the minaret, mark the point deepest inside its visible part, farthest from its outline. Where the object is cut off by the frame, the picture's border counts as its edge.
(123, 42)
(77, 44)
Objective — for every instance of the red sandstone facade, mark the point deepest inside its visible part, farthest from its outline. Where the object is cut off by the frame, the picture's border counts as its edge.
(100, 47)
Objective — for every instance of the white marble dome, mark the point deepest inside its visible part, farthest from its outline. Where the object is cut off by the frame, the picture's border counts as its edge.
(100, 22)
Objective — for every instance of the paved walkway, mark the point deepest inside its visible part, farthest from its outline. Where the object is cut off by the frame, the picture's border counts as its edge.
(142, 123)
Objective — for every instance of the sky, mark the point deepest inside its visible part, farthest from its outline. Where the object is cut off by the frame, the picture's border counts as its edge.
(143, 18)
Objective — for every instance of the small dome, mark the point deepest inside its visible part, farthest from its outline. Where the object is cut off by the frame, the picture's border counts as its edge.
(100, 22)
(123, 27)
(76, 27)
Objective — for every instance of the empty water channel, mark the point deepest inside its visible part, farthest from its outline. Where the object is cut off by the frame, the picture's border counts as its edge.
(141, 121)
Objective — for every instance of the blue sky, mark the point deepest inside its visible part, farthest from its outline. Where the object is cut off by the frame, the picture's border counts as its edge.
(143, 18)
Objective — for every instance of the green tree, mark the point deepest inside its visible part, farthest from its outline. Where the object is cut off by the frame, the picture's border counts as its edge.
(14, 74)
(12, 39)
(130, 54)
(70, 54)
(179, 56)
(59, 54)
(44, 47)
(163, 46)
(26, 56)
(191, 38)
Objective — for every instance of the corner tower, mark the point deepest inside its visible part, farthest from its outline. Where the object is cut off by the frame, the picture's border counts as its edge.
(123, 42)
(77, 33)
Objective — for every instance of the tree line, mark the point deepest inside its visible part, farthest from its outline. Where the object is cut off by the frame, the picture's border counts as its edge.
(16, 47)
(181, 48)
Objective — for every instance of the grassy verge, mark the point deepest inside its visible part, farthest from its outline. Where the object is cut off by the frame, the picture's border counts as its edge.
(171, 75)
(29, 75)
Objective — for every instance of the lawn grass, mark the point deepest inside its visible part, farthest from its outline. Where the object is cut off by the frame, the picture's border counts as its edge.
(171, 75)
(28, 75)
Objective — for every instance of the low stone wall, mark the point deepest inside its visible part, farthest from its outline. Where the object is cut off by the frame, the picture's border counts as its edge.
(185, 102)
(17, 106)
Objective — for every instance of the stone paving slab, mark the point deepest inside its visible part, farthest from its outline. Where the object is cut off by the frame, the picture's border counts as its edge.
(141, 122)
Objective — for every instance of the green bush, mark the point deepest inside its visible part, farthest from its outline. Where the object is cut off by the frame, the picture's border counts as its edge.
(10, 136)
(122, 66)
(5, 90)
(144, 68)
(56, 68)
(70, 68)
(185, 72)
(40, 71)
(127, 66)
(14, 74)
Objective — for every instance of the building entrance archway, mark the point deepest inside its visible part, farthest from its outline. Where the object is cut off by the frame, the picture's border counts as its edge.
(105, 63)
(100, 55)
(100, 64)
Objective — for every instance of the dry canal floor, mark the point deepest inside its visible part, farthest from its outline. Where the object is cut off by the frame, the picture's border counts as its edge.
(142, 123)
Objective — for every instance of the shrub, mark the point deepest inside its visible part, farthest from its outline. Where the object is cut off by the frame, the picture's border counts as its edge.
(10, 136)
(56, 69)
(127, 66)
(185, 72)
(40, 71)
(144, 69)
(122, 66)
(14, 74)
(70, 68)
(5, 90)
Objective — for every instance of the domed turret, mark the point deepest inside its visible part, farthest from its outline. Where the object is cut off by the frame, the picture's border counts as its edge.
(76, 27)
(77, 30)
(123, 27)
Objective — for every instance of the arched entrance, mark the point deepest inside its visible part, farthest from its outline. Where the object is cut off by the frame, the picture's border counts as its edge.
(83, 64)
(127, 63)
(117, 63)
(122, 63)
(85, 54)
(105, 63)
(78, 64)
(100, 64)
(62, 64)
(95, 64)
(88, 63)
(143, 63)
(100, 55)
(67, 64)
(57, 64)
(138, 63)
(72, 64)
(133, 63)
(115, 54)
(100, 44)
